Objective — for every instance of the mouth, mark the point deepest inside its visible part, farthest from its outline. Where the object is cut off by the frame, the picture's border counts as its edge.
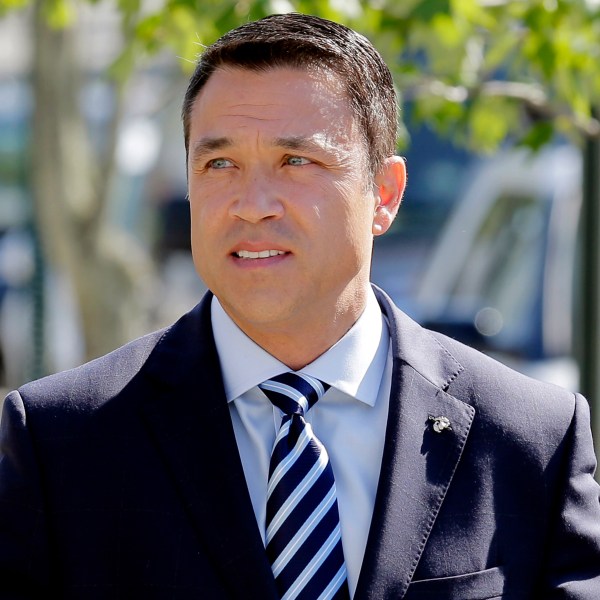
(260, 254)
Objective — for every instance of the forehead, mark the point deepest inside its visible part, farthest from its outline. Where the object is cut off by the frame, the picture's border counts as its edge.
(278, 100)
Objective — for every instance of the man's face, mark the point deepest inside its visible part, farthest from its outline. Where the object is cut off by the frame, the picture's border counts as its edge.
(282, 209)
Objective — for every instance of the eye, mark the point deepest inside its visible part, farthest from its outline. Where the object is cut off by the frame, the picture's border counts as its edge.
(219, 163)
(296, 161)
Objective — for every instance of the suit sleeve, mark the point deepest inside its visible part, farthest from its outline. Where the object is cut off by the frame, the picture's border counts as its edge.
(24, 564)
(574, 559)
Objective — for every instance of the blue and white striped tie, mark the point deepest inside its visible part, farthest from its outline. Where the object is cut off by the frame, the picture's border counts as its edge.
(303, 536)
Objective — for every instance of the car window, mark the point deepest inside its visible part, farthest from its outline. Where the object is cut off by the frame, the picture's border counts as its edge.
(499, 282)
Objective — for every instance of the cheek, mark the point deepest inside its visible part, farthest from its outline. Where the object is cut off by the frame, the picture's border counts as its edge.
(207, 202)
(195, 216)
(348, 242)
(355, 217)
(202, 227)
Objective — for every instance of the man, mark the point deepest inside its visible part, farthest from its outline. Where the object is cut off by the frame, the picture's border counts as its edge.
(441, 474)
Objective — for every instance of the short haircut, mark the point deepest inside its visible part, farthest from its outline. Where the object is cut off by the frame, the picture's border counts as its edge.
(305, 42)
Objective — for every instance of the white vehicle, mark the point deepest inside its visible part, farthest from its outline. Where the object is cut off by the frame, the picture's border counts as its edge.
(501, 277)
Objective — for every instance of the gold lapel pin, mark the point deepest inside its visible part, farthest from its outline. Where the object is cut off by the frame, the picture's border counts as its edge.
(440, 423)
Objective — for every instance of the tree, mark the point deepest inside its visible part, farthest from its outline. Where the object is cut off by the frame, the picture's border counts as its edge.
(470, 66)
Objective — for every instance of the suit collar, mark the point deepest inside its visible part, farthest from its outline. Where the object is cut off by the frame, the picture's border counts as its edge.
(187, 414)
(418, 463)
(416, 347)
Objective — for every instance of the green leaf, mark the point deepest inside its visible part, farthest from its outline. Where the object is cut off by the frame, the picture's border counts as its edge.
(7, 6)
(538, 136)
(426, 10)
(59, 13)
(490, 120)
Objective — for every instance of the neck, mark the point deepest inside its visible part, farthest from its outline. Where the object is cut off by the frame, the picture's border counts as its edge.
(298, 344)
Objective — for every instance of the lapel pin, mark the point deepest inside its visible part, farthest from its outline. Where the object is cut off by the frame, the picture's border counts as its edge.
(440, 423)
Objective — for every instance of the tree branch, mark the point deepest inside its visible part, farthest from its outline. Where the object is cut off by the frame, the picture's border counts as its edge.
(532, 96)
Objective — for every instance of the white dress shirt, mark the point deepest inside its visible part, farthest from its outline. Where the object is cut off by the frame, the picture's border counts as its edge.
(350, 419)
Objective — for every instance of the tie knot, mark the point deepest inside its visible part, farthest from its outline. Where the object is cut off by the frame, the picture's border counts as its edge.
(293, 393)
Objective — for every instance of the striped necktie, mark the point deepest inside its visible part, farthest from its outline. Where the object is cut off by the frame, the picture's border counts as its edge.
(303, 538)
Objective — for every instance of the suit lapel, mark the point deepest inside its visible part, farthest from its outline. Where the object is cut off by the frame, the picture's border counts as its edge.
(418, 463)
(187, 415)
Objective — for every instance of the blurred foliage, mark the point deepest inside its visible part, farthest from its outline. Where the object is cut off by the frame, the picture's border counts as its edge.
(467, 66)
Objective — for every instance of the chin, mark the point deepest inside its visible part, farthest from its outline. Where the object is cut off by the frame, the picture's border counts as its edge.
(256, 309)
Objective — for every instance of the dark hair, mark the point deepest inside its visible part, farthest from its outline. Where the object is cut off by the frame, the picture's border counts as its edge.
(305, 41)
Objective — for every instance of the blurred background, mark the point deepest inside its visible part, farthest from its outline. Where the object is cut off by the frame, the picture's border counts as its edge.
(496, 243)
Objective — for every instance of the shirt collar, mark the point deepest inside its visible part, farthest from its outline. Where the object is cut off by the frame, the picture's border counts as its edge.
(354, 365)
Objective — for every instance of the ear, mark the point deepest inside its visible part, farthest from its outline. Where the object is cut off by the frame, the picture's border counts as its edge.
(389, 188)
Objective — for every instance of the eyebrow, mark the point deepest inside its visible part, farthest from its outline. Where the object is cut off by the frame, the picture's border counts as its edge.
(298, 143)
(209, 144)
(293, 143)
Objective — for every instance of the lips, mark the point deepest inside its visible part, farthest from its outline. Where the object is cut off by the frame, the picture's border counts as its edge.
(260, 254)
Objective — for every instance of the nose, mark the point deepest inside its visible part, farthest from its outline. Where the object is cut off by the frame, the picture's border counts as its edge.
(257, 200)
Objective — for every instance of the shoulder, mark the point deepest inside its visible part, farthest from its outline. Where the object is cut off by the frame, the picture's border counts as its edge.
(120, 372)
(498, 390)
(94, 381)
(72, 403)
(529, 425)
(503, 398)
(523, 431)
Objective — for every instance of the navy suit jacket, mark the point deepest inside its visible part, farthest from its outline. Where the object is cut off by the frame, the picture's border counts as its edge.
(122, 479)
